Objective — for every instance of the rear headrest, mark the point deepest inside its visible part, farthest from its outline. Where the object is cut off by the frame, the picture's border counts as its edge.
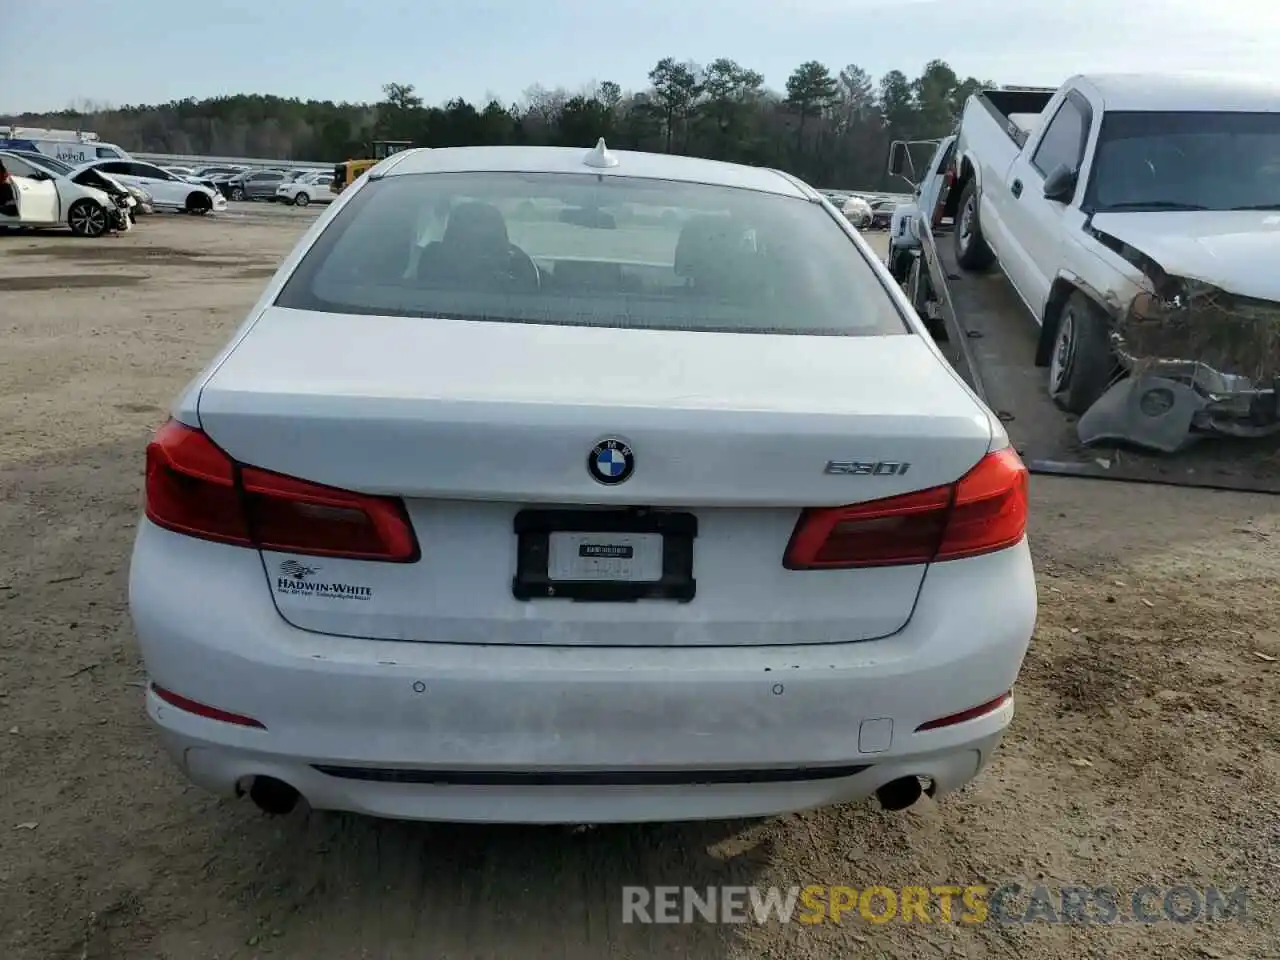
(476, 225)
(706, 243)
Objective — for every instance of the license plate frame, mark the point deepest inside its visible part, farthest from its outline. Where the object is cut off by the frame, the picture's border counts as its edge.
(533, 529)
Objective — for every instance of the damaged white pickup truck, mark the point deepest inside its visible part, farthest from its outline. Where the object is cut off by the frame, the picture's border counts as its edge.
(1138, 218)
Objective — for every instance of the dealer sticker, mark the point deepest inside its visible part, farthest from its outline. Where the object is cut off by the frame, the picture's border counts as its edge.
(298, 579)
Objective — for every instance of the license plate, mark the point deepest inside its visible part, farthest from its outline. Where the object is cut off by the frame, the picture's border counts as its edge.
(603, 557)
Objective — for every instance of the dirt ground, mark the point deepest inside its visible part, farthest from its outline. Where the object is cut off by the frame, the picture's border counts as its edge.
(1144, 748)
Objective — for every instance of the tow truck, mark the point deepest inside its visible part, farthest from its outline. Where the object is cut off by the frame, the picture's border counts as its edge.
(912, 223)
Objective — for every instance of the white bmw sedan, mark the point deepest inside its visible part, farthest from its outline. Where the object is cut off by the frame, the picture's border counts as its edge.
(548, 485)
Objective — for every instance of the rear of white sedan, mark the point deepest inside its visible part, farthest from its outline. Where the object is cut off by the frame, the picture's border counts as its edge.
(551, 486)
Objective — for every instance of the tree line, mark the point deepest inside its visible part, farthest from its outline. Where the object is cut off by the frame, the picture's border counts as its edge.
(831, 129)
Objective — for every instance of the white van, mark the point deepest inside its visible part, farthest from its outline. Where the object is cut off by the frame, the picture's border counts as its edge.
(70, 146)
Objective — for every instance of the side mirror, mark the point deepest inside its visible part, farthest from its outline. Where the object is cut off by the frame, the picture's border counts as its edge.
(897, 158)
(1060, 184)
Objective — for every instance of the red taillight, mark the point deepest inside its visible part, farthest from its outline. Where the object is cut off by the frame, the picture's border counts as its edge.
(985, 511)
(194, 488)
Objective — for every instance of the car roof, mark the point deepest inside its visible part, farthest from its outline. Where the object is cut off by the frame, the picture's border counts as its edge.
(630, 163)
(1190, 92)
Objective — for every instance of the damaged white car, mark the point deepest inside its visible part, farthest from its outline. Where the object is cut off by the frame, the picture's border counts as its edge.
(1138, 217)
(858, 212)
(36, 196)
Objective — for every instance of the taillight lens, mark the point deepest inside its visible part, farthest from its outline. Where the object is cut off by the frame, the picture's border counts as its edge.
(195, 488)
(966, 715)
(985, 511)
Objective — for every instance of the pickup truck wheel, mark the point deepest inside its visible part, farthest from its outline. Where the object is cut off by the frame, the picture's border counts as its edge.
(972, 252)
(1082, 365)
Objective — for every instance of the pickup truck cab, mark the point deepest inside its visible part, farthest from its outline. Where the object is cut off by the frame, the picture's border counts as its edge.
(1119, 197)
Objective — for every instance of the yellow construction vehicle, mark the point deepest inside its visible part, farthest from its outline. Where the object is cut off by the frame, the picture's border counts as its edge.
(345, 173)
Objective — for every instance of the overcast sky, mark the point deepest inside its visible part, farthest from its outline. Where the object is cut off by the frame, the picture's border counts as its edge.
(56, 52)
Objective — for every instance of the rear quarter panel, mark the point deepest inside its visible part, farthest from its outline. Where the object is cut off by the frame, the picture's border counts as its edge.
(186, 406)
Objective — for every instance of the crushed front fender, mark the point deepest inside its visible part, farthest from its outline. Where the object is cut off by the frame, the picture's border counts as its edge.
(1223, 348)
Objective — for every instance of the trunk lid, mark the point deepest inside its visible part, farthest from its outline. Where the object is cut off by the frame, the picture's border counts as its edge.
(471, 423)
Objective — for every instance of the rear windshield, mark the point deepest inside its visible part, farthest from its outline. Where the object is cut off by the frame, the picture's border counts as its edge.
(592, 251)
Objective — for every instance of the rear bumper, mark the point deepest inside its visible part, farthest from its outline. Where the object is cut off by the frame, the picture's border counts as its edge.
(219, 768)
(609, 734)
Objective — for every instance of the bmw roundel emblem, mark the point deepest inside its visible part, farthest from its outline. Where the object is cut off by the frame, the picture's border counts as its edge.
(611, 461)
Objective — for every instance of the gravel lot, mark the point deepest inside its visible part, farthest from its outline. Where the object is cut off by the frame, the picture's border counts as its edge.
(1144, 749)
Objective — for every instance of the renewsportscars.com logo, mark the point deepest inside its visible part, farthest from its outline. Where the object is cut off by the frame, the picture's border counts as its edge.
(973, 904)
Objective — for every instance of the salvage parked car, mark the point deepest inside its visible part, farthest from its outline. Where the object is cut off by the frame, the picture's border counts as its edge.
(253, 185)
(222, 181)
(89, 178)
(168, 192)
(307, 189)
(858, 212)
(290, 176)
(442, 574)
(218, 171)
(217, 176)
(35, 197)
(882, 212)
(146, 203)
(191, 177)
